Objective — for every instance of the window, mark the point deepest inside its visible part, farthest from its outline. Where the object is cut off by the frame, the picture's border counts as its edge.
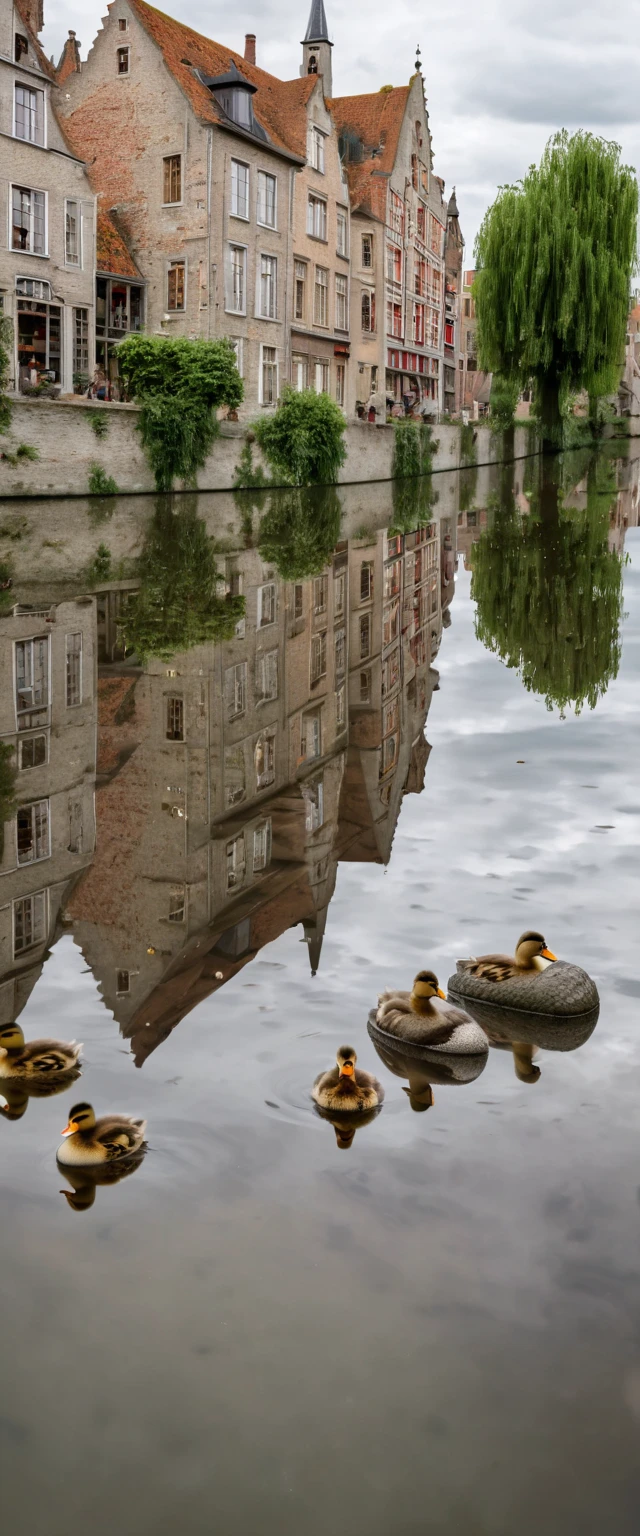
(234, 776)
(340, 650)
(366, 581)
(340, 383)
(268, 287)
(264, 757)
(317, 217)
(433, 329)
(467, 308)
(122, 57)
(316, 150)
(299, 371)
(321, 297)
(320, 594)
(414, 172)
(32, 681)
(365, 687)
(237, 295)
(394, 264)
(365, 636)
(29, 922)
(313, 795)
(396, 214)
(267, 199)
(176, 904)
(300, 289)
(29, 114)
(235, 690)
(237, 343)
(267, 604)
(239, 189)
(262, 846)
(342, 320)
(448, 333)
(341, 706)
(322, 377)
(123, 24)
(267, 675)
(436, 235)
(422, 221)
(174, 718)
(75, 826)
(420, 277)
(390, 623)
(123, 983)
(176, 285)
(33, 751)
(237, 105)
(172, 179)
(339, 594)
(318, 666)
(368, 310)
(298, 600)
(21, 47)
(367, 250)
(81, 341)
(311, 735)
(32, 832)
(418, 324)
(392, 579)
(235, 862)
(74, 669)
(269, 376)
(29, 221)
(342, 237)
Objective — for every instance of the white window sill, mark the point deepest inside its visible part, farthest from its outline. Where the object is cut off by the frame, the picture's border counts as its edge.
(241, 313)
(173, 205)
(272, 227)
(271, 319)
(35, 255)
(244, 218)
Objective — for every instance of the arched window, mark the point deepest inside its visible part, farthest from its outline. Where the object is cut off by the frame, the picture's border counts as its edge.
(313, 65)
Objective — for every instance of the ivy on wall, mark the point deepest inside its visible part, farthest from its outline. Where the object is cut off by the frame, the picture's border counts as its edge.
(179, 385)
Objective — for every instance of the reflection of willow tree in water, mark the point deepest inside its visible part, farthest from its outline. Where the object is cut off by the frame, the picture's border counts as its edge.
(549, 590)
(178, 604)
(300, 530)
(413, 504)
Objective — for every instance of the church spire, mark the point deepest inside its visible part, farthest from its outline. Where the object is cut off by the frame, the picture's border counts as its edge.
(316, 47)
(317, 30)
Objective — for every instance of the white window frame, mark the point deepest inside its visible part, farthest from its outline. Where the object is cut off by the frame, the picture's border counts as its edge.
(240, 165)
(268, 774)
(267, 285)
(180, 261)
(262, 846)
(319, 287)
(314, 203)
(318, 657)
(344, 212)
(229, 296)
(268, 586)
(23, 741)
(25, 86)
(317, 149)
(272, 363)
(235, 681)
(70, 651)
(341, 277)
(73, 202)
(236, 861)
(311, 719)
(33, 897)
(266, 676)
(40, 192)
(341, 706)
(300, 275)
(364, 266)
(122, 74)
(34, 806)
(313, 796)
(33, 708)
(264, 176)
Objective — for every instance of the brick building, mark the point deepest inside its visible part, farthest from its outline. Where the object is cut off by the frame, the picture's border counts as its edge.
(476, 385)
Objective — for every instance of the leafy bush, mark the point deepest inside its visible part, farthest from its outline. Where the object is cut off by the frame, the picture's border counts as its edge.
(413, 492)
(100, 568)
(246, 477)
(7, 786)
(6, 343)
(23, 451)
(99, 423)
(177, 436)
(303, 440)
(178, 604)
(300, 531)
(100, 483)
(179, 383)
(505, 394)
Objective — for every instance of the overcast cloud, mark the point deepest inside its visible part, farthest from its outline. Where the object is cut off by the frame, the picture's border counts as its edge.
(500, 77)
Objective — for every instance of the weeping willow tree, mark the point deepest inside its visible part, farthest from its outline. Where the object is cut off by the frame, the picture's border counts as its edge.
(549, 590)
(178, 603)
(300, 530)
(554, 259)
(412, 490)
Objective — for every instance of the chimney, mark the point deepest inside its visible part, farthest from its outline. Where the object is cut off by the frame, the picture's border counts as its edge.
(250, 48)
(69, 60)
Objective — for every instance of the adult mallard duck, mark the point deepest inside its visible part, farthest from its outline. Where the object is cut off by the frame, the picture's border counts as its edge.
(346, 1088)
(424, 1017)
(36, 1058)
(89, 1141)
(531, 955)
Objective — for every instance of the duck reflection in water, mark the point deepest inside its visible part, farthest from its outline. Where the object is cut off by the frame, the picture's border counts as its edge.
(15, 1093)
(345, 1125)
(85, 1181)
(422, 1069)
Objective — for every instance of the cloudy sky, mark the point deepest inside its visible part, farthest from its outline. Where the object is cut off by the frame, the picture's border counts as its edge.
(500, 76)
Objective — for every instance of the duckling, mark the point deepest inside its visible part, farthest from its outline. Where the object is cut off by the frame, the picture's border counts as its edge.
(346, 1125)
(15, 1093)
(85, 1181)
(344, 1088)
(90, 1141)
(531, 955)
(416, 1016)
(38, 1059)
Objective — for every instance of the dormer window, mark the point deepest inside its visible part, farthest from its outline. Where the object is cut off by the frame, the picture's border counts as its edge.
(237, 105)
(234, 95)
(21, 47)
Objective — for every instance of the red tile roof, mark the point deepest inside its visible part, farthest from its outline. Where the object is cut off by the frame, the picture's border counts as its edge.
(112, 254)
(31, 17)
(375, 120)
(278, 104)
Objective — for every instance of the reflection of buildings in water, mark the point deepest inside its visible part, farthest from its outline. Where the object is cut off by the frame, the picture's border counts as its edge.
(231, 782)
(47, 718)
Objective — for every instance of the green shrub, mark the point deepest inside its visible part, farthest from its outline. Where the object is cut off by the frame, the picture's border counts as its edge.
(300, 531)
(99, 423)
(413, 492)
(23, 451)
(100, 568)
(246, 477)
(178, 604)
(177, 436)
(179, 384)
(100, 483)
(413, 449)
(6, 343)
(303, 440)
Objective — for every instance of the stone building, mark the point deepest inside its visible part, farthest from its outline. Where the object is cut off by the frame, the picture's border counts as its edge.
(453, 352)
(227, 187)
(47, 215)
(476, 385)
(399, 221)
(48, 718)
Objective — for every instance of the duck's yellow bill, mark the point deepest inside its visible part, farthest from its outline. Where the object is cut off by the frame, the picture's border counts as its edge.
(547, 954)
(442, 994)
(68, 1130)
(347, 1069)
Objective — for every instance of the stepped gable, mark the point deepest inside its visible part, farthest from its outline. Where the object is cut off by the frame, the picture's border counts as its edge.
(375, 120)
(277, 105)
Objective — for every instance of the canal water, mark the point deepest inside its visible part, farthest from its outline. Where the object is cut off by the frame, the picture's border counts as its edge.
(413, 744)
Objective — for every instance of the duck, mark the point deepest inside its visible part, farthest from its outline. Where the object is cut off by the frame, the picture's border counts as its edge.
(347, 1088)
(16, 1093)
(90, 1142)
(36, 1058)
(346, 1125)
(532, 954)
(424, 1017)
(86, 1181)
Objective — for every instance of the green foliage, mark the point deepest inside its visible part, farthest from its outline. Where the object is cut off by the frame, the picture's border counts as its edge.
(179, 383)
(6, 343)
(100, 483)
(100, 568)
(549, 590)
(413, 449)
(246, 476)
(468, 487)
(23, 451)
(99, 423)
(6, 595)
(468, 449)
(505, 394)
(303, 440)
(8, 777)
(300, 531)
(554, 256)
(178, 604)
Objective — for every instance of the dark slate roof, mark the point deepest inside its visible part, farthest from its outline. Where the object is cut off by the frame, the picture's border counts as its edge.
(317, 30)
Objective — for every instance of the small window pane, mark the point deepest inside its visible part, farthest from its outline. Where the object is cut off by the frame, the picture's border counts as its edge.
(123, 61)
(239, 189)
(74, 669)
(262, 846)
(174, 729)
(266, 199)
(172, 181)
(175, 285)
(176, 904)
(29, 920)
(33, 751)
(123, 983)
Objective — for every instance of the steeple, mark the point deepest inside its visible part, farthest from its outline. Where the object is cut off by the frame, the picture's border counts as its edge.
(316, 47)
